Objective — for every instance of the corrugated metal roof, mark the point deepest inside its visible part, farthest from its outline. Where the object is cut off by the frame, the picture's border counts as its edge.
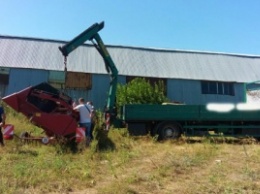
(146, 62)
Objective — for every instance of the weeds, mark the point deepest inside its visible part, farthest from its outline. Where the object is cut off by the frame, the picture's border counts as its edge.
(118, 163)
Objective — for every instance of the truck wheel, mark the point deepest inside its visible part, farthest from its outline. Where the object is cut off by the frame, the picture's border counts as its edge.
(169, 130)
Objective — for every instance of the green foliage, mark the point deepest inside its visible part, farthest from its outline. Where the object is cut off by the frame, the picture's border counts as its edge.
(140, 91)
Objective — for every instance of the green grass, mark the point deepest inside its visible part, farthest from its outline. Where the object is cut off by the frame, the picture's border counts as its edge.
(118, 163)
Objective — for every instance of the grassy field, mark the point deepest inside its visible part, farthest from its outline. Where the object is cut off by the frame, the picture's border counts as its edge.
(117, 163)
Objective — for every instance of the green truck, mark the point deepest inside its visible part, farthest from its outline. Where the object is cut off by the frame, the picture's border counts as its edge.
(171, 121)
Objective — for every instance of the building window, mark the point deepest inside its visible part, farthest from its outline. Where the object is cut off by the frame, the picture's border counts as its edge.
(221, 88)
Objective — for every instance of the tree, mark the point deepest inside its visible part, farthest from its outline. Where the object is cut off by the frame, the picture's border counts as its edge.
(140, 91)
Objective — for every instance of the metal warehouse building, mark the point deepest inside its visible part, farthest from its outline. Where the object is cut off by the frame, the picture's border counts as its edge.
(190, 77)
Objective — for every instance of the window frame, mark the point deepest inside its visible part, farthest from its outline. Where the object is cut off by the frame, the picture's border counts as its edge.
(219, 88)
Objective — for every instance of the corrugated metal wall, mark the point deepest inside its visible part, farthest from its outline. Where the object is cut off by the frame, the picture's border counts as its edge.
(186, 91)
(23, 78)
(189, 92)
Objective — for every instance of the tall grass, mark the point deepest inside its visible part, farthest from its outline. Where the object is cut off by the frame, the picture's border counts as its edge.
(118, 163)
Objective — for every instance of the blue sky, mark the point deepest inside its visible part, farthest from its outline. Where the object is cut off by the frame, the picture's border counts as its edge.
(229, 26)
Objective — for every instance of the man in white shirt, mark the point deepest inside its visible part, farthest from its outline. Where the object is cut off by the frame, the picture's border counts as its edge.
(84, 117)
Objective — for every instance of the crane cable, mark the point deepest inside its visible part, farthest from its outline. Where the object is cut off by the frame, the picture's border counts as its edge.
(65, 72)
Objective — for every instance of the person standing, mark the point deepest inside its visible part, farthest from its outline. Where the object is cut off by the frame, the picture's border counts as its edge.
(93, 117)
(84, 117)
(2, 123)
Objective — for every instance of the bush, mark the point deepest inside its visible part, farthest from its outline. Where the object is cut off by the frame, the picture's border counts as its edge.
(140, 91)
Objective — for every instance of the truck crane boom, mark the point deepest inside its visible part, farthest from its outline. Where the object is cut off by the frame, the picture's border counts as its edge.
(92, 35)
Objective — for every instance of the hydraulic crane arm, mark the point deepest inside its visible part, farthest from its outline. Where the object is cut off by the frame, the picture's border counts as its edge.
(92, 35)
(88, 34)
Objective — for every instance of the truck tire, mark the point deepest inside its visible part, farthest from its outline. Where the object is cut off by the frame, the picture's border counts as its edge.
(168, 130)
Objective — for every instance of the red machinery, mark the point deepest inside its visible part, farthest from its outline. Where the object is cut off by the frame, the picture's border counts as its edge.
(47, 108)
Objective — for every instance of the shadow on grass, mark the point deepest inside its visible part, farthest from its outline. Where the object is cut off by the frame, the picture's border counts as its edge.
(28, 152)
(104, 142)
(219, 140)
(101, 142)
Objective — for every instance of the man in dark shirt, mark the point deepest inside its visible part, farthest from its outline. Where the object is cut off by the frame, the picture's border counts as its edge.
(2, 123)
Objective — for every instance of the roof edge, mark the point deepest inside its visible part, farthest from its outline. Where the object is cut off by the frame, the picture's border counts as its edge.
(133, 47)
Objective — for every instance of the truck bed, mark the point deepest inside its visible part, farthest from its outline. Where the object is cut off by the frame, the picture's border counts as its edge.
(143, 112)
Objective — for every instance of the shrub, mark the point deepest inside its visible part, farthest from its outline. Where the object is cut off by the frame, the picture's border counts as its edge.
(140, 91)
